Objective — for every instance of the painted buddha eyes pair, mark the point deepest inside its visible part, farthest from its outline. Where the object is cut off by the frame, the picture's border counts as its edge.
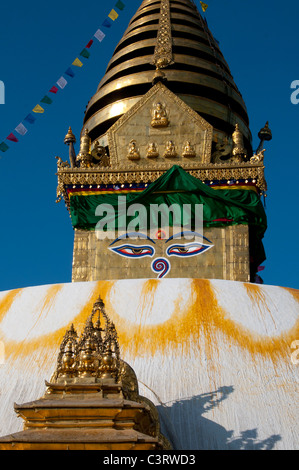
(135, 251)
(161, 265)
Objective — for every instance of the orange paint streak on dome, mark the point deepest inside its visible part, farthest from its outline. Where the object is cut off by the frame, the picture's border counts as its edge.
(202, 319)
(45, 346)
(7, 302)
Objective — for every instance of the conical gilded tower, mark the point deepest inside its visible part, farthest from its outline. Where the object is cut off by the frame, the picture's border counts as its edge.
(195, 68)
(166, 127)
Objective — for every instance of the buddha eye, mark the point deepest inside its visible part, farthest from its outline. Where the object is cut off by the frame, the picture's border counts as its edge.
(190, 249)
(134, 251)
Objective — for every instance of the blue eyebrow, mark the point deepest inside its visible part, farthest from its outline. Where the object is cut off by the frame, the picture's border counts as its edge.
(129, 235)
(179, 235)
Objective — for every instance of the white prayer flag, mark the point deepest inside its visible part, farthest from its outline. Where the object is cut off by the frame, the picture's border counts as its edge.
(61, 82)
(21, 129)
(99, 35)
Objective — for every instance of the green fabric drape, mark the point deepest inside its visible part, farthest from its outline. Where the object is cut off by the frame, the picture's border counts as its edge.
(220, 207)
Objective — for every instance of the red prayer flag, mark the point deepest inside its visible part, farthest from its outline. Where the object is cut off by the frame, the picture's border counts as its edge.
(12, 137)
(89, 44)
(54, 89)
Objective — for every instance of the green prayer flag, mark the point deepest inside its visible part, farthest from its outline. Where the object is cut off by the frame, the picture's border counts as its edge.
(120, 5)
(4, 147)
(85, 53)
(46, 100)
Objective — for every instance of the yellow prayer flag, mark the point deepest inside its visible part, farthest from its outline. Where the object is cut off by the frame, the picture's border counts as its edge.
(113, 15)
(204, 6)
(38, 109)
(77, 62)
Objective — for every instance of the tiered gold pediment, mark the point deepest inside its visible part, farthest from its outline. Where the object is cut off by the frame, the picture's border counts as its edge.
(160, 129)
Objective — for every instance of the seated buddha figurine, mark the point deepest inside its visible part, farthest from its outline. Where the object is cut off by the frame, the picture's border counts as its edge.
(152, 151)
(160, 118)
(189, 150)
(133, 151)
(170, 151)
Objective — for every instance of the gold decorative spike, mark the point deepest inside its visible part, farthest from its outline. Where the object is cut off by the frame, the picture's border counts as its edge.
(163, 51)
(66, 357)
(264, 134)
(159, 118)
(70, 137)
(133, 151)
(84, 157)
(239, 152)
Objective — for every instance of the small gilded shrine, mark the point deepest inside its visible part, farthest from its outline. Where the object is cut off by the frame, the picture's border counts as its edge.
(91, 401)
(167, 109)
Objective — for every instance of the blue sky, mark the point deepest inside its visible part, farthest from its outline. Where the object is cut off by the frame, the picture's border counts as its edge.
(40, 40)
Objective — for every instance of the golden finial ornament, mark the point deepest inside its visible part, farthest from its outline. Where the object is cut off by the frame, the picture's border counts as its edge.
(264, 134)
(239, 151)
(67, 354)
(95, 355)
(84, 157)
(70, 140)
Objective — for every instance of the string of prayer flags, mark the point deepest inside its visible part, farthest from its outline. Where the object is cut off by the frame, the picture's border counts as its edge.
(62, 82)
(38, 109)
(204, 6)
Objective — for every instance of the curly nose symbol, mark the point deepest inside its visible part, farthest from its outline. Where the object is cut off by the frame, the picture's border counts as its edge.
(161, 266)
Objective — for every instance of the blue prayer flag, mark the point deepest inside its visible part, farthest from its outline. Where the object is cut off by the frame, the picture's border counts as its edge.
(106, 23)
(70, 72)
(30, 118)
